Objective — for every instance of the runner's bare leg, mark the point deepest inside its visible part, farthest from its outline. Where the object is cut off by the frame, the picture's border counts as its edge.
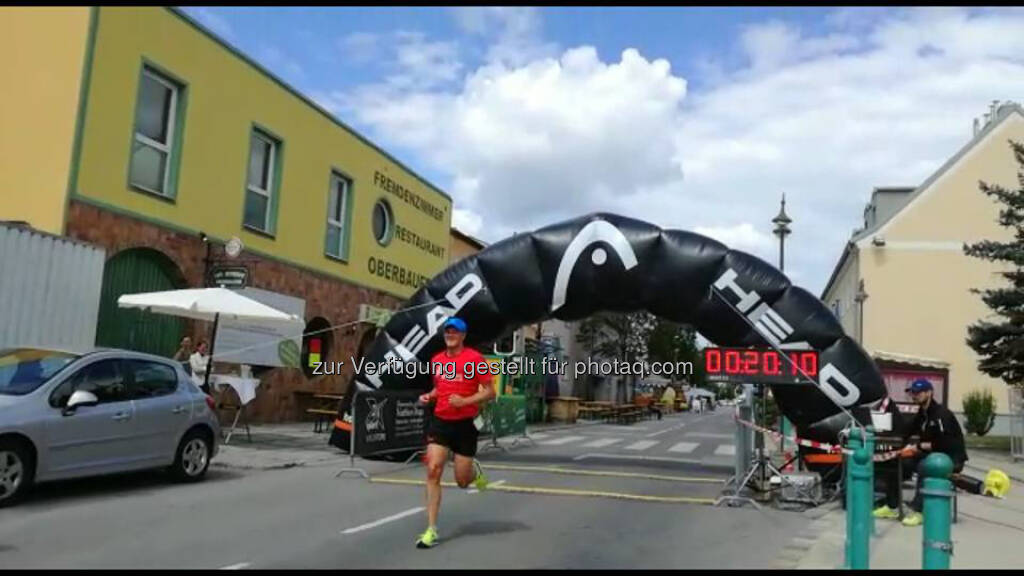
(436, 457)
(464, 472)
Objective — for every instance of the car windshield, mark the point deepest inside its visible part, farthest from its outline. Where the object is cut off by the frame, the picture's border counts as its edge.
(22, 370)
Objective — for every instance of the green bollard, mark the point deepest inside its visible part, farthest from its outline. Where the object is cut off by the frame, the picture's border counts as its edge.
(859, 499)
(937, 494)
(870, 447)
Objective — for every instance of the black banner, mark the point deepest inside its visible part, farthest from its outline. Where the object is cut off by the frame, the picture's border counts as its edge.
(390, 421)
(597, 262)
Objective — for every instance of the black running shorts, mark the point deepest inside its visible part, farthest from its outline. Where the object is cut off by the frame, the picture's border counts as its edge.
(459, 436)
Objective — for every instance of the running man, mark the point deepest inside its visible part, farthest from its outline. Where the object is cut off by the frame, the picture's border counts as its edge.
(453, 428)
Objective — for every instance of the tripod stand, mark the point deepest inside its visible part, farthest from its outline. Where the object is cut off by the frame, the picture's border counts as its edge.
(760, 466)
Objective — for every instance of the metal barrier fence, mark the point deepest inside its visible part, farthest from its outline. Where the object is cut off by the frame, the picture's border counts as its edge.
(1016, 422)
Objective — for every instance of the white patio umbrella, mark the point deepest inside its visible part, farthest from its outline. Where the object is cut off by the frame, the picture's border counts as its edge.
(208, 304)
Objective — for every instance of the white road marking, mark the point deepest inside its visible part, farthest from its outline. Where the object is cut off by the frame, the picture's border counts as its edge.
(631, 457)
(725, 450)
(659, 433)
(642, 445)
(563, 440)
(710, 435)
(684, 447)
(498, 483)
(238, 566)
(602, 442)
(382, 521)
(539, 436)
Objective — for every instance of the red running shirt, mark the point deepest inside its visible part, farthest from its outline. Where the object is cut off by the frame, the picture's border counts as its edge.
(460, 385)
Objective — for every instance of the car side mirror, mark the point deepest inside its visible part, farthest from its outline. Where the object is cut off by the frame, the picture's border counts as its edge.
(80, 398)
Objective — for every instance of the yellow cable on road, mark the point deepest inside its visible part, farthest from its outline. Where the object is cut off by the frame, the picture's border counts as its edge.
(611, 473)
(562, 492)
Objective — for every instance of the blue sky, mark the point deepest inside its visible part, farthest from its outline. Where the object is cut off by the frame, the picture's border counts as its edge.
(690, 118)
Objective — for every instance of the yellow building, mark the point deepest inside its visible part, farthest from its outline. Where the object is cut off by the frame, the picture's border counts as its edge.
(138, 130)
(907, 264)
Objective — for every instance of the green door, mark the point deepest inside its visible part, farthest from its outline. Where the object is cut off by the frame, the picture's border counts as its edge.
(130, 272)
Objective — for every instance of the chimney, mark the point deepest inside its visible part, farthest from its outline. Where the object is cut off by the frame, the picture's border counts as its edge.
(976, 128)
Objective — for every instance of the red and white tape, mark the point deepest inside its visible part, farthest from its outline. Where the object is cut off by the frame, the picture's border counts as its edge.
(832, 448)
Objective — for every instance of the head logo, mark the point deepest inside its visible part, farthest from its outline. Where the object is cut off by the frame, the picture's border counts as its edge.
(597, 231)
(375, 418)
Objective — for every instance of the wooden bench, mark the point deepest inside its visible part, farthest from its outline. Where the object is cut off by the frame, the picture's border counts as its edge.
(323, 418)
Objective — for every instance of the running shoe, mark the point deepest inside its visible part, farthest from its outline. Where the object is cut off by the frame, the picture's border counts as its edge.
(481, 479)
(886, 513)
(428, 539)
(913, 519)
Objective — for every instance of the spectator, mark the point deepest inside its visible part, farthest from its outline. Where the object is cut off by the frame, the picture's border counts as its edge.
(198, 361)
(939, 431)
(184, 350)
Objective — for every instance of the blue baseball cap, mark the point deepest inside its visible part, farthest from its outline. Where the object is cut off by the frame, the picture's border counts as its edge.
(456, 323)
(919, 385)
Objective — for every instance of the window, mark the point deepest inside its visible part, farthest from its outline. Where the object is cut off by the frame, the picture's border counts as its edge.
(263, 151)
(835, 309)
(152, 146)
(103, 378)
(383, 222)
(337, 211)
(23, 370)
(150, 380)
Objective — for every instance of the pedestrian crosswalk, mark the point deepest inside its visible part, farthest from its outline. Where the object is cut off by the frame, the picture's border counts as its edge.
(642, 445)
(563, 440)
(684, 447)
(602, 442)
(707, 444)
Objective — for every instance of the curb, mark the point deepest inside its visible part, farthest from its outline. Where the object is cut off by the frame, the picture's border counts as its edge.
(982, 471)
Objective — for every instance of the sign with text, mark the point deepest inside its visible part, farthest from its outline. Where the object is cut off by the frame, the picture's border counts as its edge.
(388, 422)
(262, 344)
(229, 276)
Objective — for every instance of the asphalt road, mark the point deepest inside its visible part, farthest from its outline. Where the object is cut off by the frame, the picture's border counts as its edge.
(588, 497)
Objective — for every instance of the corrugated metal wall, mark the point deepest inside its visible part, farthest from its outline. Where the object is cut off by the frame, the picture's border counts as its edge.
(49, 289)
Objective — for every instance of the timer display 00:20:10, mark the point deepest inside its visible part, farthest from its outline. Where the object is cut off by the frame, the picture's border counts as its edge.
(746, 362)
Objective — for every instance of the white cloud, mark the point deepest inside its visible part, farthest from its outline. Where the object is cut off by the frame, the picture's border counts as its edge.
(215, 22)
(744, 236)
(878, 99)
(467, 221)
(515, 32)
(360, 47)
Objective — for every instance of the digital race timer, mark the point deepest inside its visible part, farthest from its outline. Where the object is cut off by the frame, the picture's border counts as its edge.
(760, 365)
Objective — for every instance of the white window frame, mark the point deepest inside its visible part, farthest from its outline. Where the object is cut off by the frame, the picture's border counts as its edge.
(171, 119)
(388, 223)
(343, 203)
(269, 194)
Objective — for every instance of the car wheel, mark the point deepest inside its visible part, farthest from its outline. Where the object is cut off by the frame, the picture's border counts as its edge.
(17, 471)
(193, 457)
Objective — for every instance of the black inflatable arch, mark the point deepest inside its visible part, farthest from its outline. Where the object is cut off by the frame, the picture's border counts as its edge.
(608, 262)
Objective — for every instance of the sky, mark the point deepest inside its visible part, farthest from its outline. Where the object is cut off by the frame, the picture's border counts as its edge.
(689, 118)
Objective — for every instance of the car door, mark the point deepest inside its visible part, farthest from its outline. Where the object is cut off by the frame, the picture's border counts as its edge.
(92, 439)
(162, 409)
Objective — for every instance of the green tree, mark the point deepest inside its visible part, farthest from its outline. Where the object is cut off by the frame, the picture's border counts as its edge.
(1000, 343)
(980, 410)
(673, 342)
(616, 336)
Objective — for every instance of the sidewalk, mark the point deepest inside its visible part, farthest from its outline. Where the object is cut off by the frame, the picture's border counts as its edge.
(987, 534)
(276, 446)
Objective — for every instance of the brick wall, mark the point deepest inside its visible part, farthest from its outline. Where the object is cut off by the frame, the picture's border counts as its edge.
(335, 300)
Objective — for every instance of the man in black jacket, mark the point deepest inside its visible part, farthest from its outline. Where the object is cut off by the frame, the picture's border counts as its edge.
(939, 431)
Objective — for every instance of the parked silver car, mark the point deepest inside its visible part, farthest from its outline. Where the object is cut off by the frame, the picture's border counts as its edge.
(71, 414)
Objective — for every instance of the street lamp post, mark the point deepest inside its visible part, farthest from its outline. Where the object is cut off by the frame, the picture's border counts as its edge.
(859, 298)
(782, 222)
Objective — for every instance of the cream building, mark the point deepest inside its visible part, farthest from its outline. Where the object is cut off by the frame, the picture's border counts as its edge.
(914, 280)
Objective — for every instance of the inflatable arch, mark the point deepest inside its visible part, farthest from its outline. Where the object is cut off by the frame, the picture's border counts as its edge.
(606, 262)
